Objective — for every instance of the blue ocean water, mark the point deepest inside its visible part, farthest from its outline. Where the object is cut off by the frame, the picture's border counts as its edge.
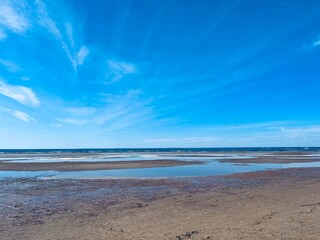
(168, 150)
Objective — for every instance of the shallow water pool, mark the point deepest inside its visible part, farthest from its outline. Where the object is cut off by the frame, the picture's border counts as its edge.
(211, 168)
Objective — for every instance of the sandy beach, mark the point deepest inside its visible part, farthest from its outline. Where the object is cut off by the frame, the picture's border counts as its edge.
(274, 160)
(279, 204)
(73, 163)
(82, 166)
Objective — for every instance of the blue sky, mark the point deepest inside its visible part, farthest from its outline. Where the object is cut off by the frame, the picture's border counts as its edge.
(159, 73)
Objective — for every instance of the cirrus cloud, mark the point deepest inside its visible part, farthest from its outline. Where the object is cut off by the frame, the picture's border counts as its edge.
(22, 116)
(118, 70)
(73, 121)
(12, 18)
(82, 54)
(10, 65)
(20, 94)
(316, 43)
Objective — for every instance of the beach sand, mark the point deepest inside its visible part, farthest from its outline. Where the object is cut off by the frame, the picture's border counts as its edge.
(279, 204)
(83, 166)
(276, 160)
(73, 165)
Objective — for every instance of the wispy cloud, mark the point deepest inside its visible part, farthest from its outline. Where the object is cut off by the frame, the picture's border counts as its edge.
(12, 18)
(261, 125)
(69, 30)
(81, 111)
(3, 35)
(124, 110)
(277, 133)
(120, 105)
(316, 43)
(76, 116)
(114, 113)
(73, 121)
(51, 26)
(82, 54)
(282, 133)
(300, 132)
(118, 70)
(182, 140)
(20, 94)
(9, 65)
(76, 58)
(57, 125)
(25, 78)
(22, 116)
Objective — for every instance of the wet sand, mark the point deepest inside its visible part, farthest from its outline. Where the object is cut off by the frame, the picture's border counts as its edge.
(73, 165)
(271, 159)
(82, 166)
(279, 204)
(86, 166)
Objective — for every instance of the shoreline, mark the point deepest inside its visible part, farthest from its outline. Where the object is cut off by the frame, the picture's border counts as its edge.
(272, 159)
(74, 165)
(87, 166)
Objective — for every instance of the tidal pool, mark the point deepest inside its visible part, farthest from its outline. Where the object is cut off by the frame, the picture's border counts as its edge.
(211, 165)
(211, 168)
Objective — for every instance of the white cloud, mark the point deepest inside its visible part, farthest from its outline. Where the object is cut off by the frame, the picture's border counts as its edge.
(25, 78)
(299, 132)
(264, 125)
(120, 111)
(120, 106)
(117, 70)
(281, 133)
(73, 121)
(316, 43)
(3, 35)
(46, 21)
(69, 30)
(182, 140)
(81, 111)
(20, 94)
(75, 116)
(57, 125)
(10, 66)
(22, 116)
(124, 110)
(12, 17)
(82, 54)
(67, 43)
(51, 26)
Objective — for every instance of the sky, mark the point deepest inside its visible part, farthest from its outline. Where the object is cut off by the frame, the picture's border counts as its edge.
(159, 73)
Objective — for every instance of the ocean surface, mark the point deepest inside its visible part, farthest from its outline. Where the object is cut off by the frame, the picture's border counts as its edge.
(170, 150)
(210, 156)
